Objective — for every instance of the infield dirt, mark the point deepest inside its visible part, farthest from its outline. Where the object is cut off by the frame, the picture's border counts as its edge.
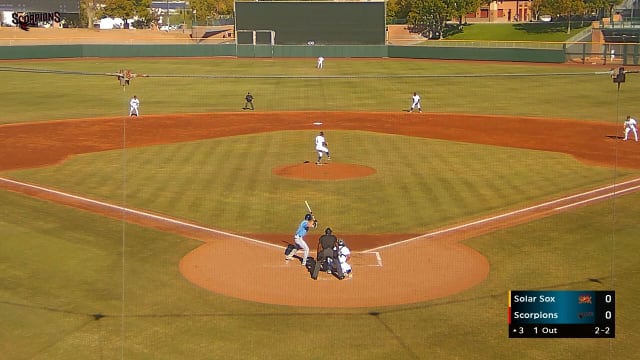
(389, 269)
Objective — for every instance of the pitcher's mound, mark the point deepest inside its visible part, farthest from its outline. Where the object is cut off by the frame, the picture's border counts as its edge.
(326, 171)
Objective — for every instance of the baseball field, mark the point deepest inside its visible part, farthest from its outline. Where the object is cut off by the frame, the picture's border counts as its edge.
(162, 236)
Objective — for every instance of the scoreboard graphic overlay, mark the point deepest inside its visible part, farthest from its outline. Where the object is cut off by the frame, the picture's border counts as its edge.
(561, 314)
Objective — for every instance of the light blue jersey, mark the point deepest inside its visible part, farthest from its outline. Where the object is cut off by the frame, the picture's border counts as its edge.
(303, 228)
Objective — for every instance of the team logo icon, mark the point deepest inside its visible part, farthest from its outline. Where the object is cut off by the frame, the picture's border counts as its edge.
(27, 20)
(584, 299)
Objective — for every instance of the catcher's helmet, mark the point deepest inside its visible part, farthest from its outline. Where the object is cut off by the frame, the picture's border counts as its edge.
(340, 242)
(328, 231)
(308, 217)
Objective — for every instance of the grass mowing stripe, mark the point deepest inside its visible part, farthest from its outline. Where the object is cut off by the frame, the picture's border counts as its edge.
(577, 96)
(439, 197)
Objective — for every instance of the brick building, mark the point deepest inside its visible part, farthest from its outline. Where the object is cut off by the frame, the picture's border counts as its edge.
(502, 11)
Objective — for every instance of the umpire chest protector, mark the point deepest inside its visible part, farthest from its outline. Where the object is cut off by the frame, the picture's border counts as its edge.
(327, 241)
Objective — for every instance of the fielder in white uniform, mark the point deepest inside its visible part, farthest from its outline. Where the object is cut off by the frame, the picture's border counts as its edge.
(630, 125)
(320, 62)
(134, 105)
(321, 148)
(415, 102)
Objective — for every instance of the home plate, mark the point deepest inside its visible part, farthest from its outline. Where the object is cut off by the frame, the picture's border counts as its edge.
(317, 123)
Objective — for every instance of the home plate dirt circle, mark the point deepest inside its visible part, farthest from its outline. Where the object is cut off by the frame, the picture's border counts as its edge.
(412, 272)
(326, 171)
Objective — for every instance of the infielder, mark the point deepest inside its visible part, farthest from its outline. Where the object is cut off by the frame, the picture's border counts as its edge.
(415, 102)
(630, 125)
(306, 224)
(320, 62)
(134, 105)
(321, 148)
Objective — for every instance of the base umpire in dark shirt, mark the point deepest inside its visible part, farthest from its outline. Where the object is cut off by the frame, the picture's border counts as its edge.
(248, 101)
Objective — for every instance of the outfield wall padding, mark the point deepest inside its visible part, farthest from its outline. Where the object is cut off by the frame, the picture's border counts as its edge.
(478, 53)
(328, 51)
(40, 52)
(108, 51)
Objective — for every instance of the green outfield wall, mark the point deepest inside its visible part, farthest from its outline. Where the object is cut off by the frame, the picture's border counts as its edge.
(557, 55)
(107, 51)
(478, 53)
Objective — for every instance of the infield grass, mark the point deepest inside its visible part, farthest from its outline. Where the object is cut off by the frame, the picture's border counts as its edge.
(212, 181)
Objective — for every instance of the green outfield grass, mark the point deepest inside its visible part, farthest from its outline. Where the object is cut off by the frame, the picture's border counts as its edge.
(74, 285)
(286, 84)
(547, 32)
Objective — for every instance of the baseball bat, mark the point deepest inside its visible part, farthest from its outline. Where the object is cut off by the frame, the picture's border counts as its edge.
(308, 207)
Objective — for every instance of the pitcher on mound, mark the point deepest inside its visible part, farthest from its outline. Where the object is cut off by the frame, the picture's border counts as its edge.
(321, 148)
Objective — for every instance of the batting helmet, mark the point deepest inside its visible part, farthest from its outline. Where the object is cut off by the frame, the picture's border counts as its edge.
(308, 217)
(340, 242)
(328, 231)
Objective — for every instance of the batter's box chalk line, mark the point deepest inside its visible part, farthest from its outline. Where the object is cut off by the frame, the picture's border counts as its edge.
(367, 258)
(359, 259)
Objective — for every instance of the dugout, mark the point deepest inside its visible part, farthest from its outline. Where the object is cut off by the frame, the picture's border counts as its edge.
(310, 23)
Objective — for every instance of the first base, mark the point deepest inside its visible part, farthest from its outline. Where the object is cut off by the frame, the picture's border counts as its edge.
(317, 123)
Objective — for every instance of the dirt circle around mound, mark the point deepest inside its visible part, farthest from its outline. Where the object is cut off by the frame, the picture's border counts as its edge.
(324, 171)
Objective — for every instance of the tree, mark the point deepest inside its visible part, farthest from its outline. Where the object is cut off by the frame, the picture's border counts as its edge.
(461, 8)
(567, 8)
(212, 8)
(127, 9)
(88, 11)
(398, 9)
(431, 15)
(537, 7)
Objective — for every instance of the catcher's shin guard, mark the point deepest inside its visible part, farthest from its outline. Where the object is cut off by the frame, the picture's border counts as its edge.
(339, 272)
(316, 270)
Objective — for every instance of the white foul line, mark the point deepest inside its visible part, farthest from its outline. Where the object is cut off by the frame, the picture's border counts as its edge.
(621, 192)
(374, 250)
(136, 212)
(511, 213)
